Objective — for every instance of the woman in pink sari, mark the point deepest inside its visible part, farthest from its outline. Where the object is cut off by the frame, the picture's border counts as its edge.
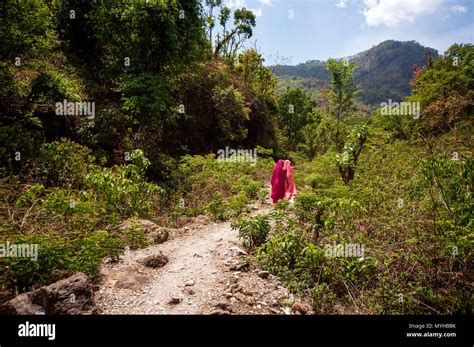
(278, 181)
(290, 188)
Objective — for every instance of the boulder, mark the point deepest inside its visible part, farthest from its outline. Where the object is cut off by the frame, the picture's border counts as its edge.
(184, 220)
(202, 219)
(160, 236)
(301, 308)
(175, 300)
(154, 233)
(73, 295)
(21, 305)
(238, 251)
(6, 296)
(223, 306)
(243, 267)
(155, 261)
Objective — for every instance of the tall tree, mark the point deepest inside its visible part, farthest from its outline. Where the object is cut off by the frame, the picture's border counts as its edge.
(295, 109)
(232, 35)
(341, 94)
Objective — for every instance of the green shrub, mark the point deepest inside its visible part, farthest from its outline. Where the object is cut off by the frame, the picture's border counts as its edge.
(347, 160)
(237, 204)
(247, 185)
(89, 251)
(64, 163)
(280, 252)
(253, 230)
(135, 238)
(124, 188)
(222, 189)
(451, 181)
(357, 269)
(216, 207)
(312, 180)
(58, 256)
(107, 195)
(323, 299)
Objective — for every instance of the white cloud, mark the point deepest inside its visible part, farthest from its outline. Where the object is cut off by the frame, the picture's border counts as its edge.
(257, 12)
(235, 3)
(342, 4)
(266, 2)
(241, 3)
(392, 12)
(458, 8)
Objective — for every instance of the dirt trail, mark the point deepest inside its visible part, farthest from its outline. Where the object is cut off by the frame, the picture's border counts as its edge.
(204, 275)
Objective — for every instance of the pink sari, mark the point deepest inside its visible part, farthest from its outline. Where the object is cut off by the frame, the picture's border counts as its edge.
(290, 188)
(278, 181)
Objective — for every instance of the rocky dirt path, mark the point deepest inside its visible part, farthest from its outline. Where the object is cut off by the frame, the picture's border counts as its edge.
(206, 273)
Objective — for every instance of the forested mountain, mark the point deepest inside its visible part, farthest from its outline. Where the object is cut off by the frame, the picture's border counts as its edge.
(384, 71)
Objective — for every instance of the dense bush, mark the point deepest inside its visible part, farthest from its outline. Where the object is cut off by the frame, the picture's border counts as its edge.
(59, 255)
(64, 163)
(253, 230)
(221, 189)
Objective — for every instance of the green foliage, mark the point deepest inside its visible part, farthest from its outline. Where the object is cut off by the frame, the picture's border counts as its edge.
(10, 86)
(216, 207)
(311, 206)
(58, 256)
(87, 194)
(359, 269)
(233, 36)
(153, 35)
(253, 230)
(49, 87)
(281, 252)
(295, 113)
(64, 163)
(221, 189)
(218, 110)
(237, 204)
(27, 29)
(253, 73)
(136, 238)
(18, 139)
(396, 209)
(450, 184)
(230, 105)
(323, 299)
(444, 91)
(248, 186)
(341, 94)
(53, 86)
(347, 160)
(264, 152)
(145, 97)
(123, 187)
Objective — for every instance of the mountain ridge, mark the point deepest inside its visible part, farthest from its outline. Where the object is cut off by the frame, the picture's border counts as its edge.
(383, 71)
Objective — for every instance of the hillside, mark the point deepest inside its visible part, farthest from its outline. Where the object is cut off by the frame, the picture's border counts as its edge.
(384, 71)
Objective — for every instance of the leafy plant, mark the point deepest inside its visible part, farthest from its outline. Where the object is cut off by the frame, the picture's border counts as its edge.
(253, 230)
(347, 159)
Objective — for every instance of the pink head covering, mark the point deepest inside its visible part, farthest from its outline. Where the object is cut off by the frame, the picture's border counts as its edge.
(290, 188)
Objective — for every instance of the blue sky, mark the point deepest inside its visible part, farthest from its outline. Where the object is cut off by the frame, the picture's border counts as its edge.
(335, 28)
